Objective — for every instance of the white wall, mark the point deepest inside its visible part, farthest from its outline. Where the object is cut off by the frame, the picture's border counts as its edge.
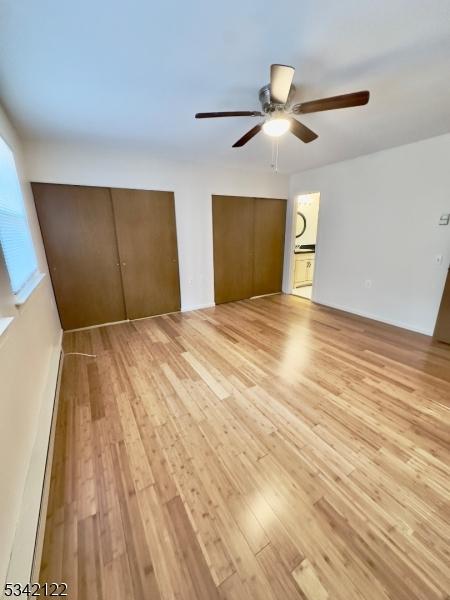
(193, 185)
(29, 354)
(379, 221)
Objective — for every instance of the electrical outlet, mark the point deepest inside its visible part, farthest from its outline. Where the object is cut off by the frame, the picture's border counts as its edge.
(439, 258)
(368, 283)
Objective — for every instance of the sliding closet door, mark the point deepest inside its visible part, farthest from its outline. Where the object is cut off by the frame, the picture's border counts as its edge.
(147, 240)
(233, 247)
(270, 225)
(77, 226)
(442, 328)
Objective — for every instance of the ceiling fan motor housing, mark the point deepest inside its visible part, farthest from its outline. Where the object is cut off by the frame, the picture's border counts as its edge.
(267, 105)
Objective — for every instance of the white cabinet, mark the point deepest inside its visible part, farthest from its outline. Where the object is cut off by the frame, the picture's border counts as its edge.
(299, 272)
(303, 269)
(310, 269)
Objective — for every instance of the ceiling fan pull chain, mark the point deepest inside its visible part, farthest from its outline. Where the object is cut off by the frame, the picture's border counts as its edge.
(274, 162)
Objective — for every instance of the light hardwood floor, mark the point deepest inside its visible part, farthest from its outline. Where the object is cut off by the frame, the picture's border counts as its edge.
(267, 449)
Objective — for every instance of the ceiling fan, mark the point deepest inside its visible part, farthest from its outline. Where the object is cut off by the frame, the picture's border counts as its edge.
(275, 100)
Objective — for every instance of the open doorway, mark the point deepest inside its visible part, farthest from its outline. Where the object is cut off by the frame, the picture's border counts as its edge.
(306, 218)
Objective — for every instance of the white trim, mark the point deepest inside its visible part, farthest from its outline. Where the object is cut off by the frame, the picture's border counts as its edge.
(188, 308)
(264, 295)
(290, 235)
(42, 518)
(28, 524)
(96, 326)
(5, 322)
(373, 317)
(28, 288)
(174, 312)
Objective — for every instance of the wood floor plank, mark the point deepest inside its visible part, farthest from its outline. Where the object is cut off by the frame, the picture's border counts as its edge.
(174, 580)
(197, 567)
(277, 575)
(90, 583)
(263, 449)
(137, 550)
(309, 582)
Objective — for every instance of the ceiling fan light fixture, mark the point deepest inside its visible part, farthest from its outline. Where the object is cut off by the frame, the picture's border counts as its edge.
(276, 126)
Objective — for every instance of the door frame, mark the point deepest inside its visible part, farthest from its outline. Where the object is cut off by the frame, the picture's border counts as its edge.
(290, 243)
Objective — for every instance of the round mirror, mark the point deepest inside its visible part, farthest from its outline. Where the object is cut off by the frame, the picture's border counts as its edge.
(301, 225)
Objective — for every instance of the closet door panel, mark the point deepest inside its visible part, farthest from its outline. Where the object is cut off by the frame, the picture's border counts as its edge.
(269, 227)
(147, 240)
(233, 247)
(442, 328)
(77, 226)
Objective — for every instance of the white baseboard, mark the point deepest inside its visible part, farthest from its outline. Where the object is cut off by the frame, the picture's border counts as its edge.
(190, 307)
(23, 564)
(373, 317)
(266, 295)
(97, 326)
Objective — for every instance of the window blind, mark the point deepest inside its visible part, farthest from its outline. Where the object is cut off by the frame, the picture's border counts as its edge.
(15, 238)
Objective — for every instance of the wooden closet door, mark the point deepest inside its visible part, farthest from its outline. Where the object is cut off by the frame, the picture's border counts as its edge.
(233, 247)
(77, 226)
(442, 328)
(147, 239)
(270, 225)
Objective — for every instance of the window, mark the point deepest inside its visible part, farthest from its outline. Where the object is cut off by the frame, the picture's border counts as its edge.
(15, 238)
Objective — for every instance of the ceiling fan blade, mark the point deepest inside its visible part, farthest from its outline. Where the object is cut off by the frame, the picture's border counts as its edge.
(281, 77)
(248, 136)
(343, 101)
(302, 132)
(234, 113)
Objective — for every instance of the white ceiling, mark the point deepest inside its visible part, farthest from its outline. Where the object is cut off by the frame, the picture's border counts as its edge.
(134, 72)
